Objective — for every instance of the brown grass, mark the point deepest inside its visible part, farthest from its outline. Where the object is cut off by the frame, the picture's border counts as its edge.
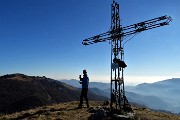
(68, 111)
(64, 111)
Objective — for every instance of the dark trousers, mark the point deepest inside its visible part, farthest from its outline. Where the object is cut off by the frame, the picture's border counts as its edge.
(84, 92)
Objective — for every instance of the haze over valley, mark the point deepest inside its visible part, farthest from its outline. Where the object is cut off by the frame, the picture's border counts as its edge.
(162, 95)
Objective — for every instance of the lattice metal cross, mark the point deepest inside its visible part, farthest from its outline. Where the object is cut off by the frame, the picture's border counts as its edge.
(116, 36)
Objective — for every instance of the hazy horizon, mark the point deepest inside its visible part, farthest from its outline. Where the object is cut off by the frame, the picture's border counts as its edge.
(128, 80)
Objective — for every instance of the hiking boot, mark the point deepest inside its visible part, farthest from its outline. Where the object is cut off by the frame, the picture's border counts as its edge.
(79, 107)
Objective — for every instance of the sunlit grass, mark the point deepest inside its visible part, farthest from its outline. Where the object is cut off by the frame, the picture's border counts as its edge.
(68, 111)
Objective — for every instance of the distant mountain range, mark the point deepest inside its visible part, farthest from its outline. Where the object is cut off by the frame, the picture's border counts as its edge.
(166, 90)
(21, 92)
(163, 95)
(98, 85)
(98, 88)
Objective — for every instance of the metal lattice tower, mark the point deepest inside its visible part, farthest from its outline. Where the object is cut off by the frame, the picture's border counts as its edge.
(117, 79)
(116, 36)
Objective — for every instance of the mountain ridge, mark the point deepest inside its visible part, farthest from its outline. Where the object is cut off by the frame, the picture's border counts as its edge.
(20, 92)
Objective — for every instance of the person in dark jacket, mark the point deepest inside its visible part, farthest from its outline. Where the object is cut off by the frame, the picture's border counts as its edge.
(85, 82)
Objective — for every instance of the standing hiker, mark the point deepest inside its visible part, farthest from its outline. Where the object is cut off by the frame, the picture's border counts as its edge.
(85, 82)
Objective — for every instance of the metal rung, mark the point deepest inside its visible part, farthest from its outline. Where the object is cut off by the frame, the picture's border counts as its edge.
(118, 80)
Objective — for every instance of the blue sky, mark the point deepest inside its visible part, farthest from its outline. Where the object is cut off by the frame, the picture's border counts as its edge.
(43, 38)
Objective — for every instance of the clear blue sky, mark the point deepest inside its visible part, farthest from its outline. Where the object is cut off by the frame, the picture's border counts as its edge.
(43, 38)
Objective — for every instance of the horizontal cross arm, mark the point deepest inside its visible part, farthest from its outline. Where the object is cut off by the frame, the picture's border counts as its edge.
(98, 38)
(146, 25)
(128, 30)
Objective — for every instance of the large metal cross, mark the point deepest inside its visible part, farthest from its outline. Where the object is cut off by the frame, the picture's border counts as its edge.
(116, 36)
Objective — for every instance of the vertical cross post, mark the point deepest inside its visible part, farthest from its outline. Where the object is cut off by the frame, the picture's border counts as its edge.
(117, 53)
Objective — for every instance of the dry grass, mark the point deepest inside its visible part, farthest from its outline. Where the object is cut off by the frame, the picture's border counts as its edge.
(64, 111)
(68, 111)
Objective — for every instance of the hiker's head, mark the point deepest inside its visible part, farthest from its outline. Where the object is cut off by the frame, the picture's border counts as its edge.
(84, 72)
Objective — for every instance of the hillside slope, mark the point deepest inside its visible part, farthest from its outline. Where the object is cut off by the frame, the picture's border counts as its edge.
(20, 92)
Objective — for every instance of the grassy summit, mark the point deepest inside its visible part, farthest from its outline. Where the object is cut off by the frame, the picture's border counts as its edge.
(68, 111)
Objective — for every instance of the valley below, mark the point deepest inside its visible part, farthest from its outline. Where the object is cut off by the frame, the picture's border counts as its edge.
(160, 96)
